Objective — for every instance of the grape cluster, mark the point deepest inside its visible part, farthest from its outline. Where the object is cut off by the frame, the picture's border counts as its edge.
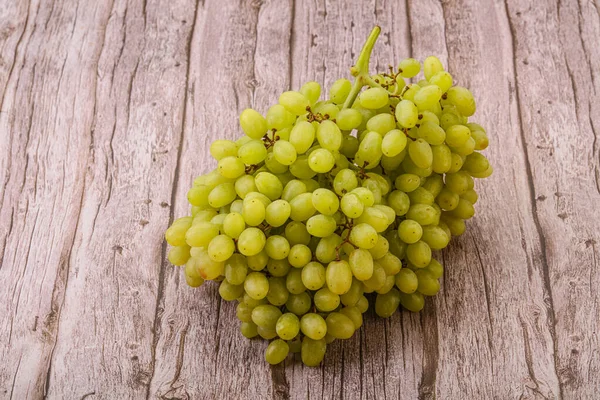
(322, 202)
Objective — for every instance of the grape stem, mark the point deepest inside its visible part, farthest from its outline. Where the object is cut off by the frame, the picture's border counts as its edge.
(360, 70)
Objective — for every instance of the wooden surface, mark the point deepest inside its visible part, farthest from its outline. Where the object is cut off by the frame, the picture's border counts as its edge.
(107, 110)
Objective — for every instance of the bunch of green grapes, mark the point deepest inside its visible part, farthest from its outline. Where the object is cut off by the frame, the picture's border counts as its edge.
(325, 201)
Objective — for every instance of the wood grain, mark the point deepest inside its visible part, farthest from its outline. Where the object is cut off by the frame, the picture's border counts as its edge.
(107, 110)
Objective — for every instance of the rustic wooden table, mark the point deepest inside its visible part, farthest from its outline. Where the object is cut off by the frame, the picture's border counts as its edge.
(107, 110)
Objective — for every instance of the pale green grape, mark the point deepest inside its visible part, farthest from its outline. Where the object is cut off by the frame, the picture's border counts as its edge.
(313, 275)
(321, 161)
(277, 247)
(471, 196)
(176, 235)
(369, 151)
(435, 237)
(431, 66)
(340, 90)
(326, 248)
(483, 174)
(276, 352)
(340, 326)
(253, 152)
(256, 285)
(302, 207)
(278, 267)
(422, 213)
(447, 199)
(456, 225)
(292, 189)
(364, 236)
(456, 163)
(390, 263)
(249, 329)
(476, 163)
(381, 247)
(348, 119)
(229, 292)
(277, 213)
(179, 255)
(464, 210)
(253, 124)
(223, 148)
(266, 316)
(407, 281)
(278, 117)
(409, 67)
(325, 300)
(236, 206)
(481, 139)
(428, 285)
(377, 280)
(352, 296)
(244, 185)
(204, 216)
(427, 97)
(193, 276)
(393, 143)
(284, 152)
(351, 205)
(410, 231)
(374, 98)
(329, 135)
(313, 326)
(409, 94)
(253, 211)
(200, 234)
(269, 185)
(236, 269)
(420, 153)
(375, 218)
(221, 248)
(441, 158)
(325, 201)
(463, 99)
(222, 195)
(312, 91)
(278, 293)
(244, 312)
(266, 334)
(387, 304)
(198, 196)
(362, 304)
(435, 268)
(251, 241)
(299, 255)
(294, 102)
(421, 196)
(432, 133)
(327, 110)
(407, 182)
(381, 123)
(293, 282)
(302, 136)
(296, 233)
(231, 167)
(234, 225)
(419, 254)
(311, 185)
(361, 264)
(313, 351)
(345, 181)
(321, 225)
(338, 276)
(442, 79)
(407, 113)
(354, 314)
(459, 182)
(288, 326)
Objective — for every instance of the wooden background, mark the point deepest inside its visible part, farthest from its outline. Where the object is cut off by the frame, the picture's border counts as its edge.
(107, 110)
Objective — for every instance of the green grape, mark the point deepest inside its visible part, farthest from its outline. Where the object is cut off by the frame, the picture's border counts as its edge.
(435, 268)
(327, 110)
(340, 326)
(325, 201)
(269, 185)
(338, 276)
(435, 237)
(393, 143)
(409, 93)
(387, 286)
(465, 149)
(348, 119)
(463, 99)
(325, 300)
(364, 236)
(427, 97)
(193, 275)
(253, 211)
(447, 199)
(302, 207)
(250, 302)
(296, 233)
(354, 314)
(256, 285)
(369, 151)
(278, 117)
(481, 139)
(419, 254)
(313, 275)
(407, 281)
(302, 136)
(409, 67)
(253, 152)
(407, 182)
(421, 196)
(313, 351)
(253, 124)
(422, 213)
(311, 185)
(313, 326)
(229, 292)
(321, 161)
(377, 280)
(464, 210)
(231, 167)
(362, 304)
(361, 264)
(484, 174)
(299, 304)
(288, 326)
(198, 196)
(265, 333)
(278, 268)
(329, 136)
(340, 90)
(218, 220)
(381, 247)
(387, 304)
(266, 316)
(236, 269)
(299, 256)
(352, 296)
(399, 202)
(390, 263)
(277, 247)
(204, 216)
(292, 189)
(220, 248)
(349, 146)
(471, 196)
(200, 234)
(410, 231)
(249, 329)
(293, 281)
(381, 123)
(276, 352)
(244, 185)
(234, 225)
(431, 66)
(244, 312)
(365, 195)
(456, 225)
(312, 91)
(236, 206)
(284, 152)
(223, 148)
(321, 225)
(176, 235)
(258, 261)
(456, 163)
(432, 133)
(375, 218)
(277, 213)
(476, 163)
(374, 98)
(351, 205)
(326, 248)
(294, 102)
(407, 114)
(222, 195)
(179, 255)
(459, 182)
(251, 241)
(420, 153)
(428, 285)
(441, 79)
(441, 159)
(345, 181)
